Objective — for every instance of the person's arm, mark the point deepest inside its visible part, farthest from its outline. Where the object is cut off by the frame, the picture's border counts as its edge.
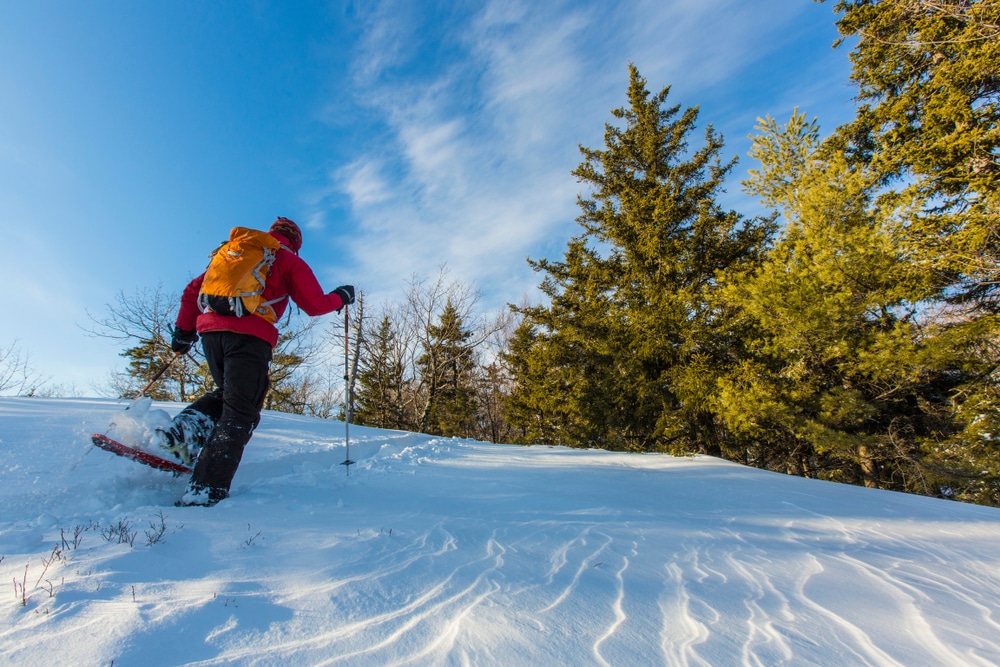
(187, 315)
(185, 334)
(305, 291)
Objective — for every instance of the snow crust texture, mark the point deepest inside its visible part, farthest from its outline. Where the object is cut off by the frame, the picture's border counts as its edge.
(453, 552)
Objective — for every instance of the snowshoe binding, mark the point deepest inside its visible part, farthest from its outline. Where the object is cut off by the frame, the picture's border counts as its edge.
(186, 435)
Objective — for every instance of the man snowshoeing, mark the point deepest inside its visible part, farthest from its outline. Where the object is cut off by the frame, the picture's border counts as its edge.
(238, 336)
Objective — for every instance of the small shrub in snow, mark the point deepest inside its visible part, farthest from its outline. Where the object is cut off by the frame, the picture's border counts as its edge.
(249, 542)
(157, 530)
(120, 533)
(73, 543)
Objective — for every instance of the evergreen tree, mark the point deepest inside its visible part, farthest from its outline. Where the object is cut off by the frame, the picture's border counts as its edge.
(852, 374)
(633, 335)
(927, 132)
(540, 407)
(380, 385)
(179, 383)
(284, 394)
(928, 75)
(556, 399)
(445, 371)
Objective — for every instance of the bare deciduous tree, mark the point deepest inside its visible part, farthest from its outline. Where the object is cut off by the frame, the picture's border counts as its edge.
(143, 321)
(17, 376)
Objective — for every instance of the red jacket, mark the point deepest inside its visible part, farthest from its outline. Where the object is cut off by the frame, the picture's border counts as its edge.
(290, 276)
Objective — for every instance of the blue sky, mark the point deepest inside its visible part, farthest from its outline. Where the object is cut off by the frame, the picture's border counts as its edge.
(401, 135)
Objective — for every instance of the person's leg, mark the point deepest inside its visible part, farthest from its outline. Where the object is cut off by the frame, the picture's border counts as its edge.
(245, 362)
(211, 403)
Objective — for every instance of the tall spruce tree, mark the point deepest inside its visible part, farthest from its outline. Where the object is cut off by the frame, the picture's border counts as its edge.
(928, 76)
(928, 131)
(542, 405)
(563, 357)
(446, 372)
(853, 373)
(836, 372)
(379, 396)
(632, 335)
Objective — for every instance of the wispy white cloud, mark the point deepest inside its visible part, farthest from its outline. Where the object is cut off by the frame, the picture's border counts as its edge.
(481, 114)
(445, 133)
(436, 156)
(385, 39)
(363, 182)
(701, 44)
(477, 182)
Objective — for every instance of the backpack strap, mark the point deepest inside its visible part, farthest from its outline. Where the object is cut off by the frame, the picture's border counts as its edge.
(269, 257)
(268, 306)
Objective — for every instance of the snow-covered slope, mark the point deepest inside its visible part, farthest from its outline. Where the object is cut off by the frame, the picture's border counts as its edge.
(443, 551)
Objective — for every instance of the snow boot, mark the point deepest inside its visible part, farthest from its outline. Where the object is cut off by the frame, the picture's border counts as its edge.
(202, 496)
(186, 435)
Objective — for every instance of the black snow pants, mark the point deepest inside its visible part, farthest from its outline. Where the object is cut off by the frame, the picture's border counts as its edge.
(239, 364)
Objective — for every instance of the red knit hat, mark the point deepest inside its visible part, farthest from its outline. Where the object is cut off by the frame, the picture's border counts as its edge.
(290, 231)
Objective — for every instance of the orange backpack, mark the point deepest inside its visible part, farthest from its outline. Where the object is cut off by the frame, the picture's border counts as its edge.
(235, 278)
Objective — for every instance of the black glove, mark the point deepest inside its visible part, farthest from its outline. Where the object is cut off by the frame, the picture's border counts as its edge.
(183, 340)
(346, 294)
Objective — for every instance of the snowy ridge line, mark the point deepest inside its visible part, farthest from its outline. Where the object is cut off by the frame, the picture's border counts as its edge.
(442, 551)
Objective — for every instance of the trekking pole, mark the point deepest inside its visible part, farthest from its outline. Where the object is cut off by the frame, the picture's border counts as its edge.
(347, 391)
(158, 374)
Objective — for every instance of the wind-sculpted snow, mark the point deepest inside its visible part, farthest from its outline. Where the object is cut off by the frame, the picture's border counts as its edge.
(440, 551)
